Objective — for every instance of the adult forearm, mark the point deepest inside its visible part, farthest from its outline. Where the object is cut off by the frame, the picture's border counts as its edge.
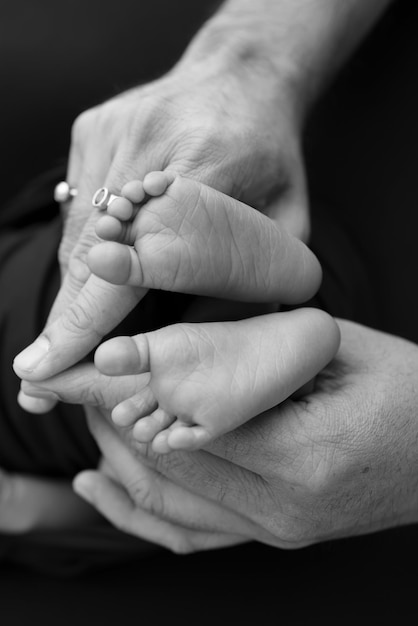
(294, 46)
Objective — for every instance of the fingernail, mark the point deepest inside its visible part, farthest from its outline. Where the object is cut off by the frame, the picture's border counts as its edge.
(30, 357)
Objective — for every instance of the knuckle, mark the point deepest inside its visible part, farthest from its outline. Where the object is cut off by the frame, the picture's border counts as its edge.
(190, 139)
(78, 319)
(205, 141)
(95, 395)
(146, 495)
(84, 243)
(145, 121)
(78, 271)
(76, 261)
(82, 125)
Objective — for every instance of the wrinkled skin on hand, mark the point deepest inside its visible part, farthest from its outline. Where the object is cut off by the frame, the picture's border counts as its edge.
(338, 462)
(196, 123)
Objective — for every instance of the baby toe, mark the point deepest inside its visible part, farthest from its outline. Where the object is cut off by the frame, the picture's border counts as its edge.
(156, 183)
(121, 208)
(134, 191)
(147, 428)
(109, 228)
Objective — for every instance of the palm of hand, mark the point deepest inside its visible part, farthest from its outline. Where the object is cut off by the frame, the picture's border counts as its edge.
(340, 462)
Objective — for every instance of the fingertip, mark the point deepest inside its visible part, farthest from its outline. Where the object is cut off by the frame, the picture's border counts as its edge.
(84, 484)
(35, 405)
(30, 358)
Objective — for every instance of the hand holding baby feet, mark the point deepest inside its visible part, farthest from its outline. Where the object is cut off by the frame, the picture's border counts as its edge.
(207, 379)
(175, 234)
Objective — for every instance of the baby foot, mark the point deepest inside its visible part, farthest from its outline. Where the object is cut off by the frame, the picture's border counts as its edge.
(207, 379)
(172, 233)
(110, 227)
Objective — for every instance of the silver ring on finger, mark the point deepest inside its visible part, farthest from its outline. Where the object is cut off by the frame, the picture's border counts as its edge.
(103, 198)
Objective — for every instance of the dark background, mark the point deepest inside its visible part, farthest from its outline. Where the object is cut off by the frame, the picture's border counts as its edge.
(58, 58)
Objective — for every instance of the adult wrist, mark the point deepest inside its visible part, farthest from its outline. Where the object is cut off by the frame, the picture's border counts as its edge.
(234, 54)
(294, 46)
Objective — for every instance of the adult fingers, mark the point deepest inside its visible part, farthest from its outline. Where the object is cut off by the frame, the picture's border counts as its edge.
(235, 495)
(153, 492)
(87, 169)
(99, 157)
(86, 307)
(114, 503)
(88, 165)
(98, 309)
(202, 490)
(84, 384)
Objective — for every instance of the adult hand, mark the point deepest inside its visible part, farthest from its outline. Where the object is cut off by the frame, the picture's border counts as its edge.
(200, 125)
(201, 121)
(229, 114)
(341, 461)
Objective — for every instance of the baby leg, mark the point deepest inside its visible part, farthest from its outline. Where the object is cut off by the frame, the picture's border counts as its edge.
(190, 238)
(207, 379)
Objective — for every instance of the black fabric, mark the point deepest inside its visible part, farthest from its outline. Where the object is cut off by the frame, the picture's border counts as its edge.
(59, 58)
(58, 443)
(362, 150)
